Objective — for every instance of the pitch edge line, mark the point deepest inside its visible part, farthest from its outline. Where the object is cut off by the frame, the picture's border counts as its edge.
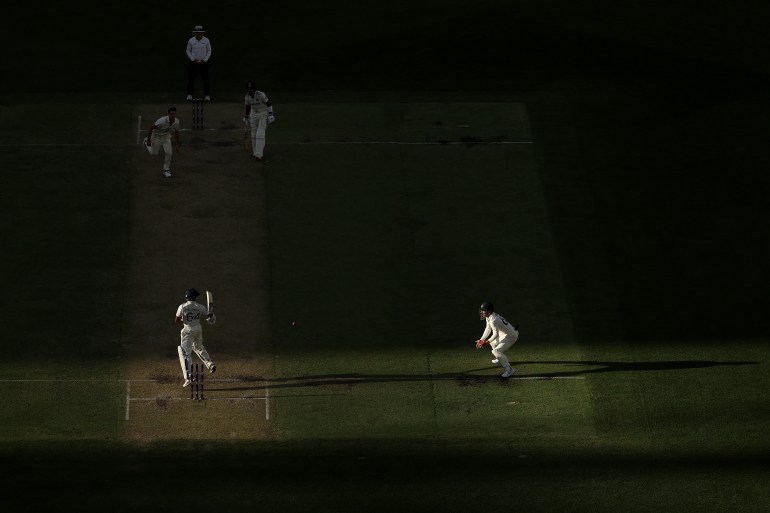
(207, 399)
(210, 380)
(79, 381)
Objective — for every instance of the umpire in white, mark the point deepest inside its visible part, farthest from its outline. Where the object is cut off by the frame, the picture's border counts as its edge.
(198, 55)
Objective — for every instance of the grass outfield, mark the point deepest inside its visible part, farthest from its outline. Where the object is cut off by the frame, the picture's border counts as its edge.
(377, 230)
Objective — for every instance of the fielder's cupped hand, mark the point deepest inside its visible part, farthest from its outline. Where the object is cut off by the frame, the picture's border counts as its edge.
(270, 118)
(480, 343)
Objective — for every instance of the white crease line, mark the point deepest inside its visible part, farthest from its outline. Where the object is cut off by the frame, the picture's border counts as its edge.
(201, 400)
(296, 143)
(226, 380)
(396, 143)
(160, 382)
(128, 397)
(423, 143)
(77, 380)
(267, 401)
(399, 143)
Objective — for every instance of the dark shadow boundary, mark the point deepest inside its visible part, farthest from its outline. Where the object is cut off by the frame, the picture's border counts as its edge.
(466, 378)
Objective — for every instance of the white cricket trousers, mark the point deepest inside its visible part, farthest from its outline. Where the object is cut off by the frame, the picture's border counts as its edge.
(500, 347)
(192, 340)
(157, 144)
(258, 124)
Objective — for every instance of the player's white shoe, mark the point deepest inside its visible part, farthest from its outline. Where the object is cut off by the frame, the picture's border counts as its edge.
(495, 361)
(508, 373)
(186, 383)
(167, 173)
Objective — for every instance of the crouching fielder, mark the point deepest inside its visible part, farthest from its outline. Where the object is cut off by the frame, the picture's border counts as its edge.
(190, 313)
(499, 334)
(259, 114)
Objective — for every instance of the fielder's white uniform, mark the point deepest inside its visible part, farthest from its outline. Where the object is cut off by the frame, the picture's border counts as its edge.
(191, 313)
(258, 119)
(161, 138)
(501, 335)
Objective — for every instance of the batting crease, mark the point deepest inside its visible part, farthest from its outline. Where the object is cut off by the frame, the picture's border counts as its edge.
(146, 399)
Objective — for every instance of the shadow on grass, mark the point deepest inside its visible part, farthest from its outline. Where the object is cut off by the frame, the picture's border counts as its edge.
(580, 368)
(577, 370)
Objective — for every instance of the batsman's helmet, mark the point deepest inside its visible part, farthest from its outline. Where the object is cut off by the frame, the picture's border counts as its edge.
(191, 294)
(250, 86)
(485, 308)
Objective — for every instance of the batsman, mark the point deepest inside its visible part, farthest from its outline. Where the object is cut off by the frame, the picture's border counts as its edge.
(190, 313)
(259, 114)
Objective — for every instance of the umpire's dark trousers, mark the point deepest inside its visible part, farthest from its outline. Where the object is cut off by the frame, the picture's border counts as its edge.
(192, 71)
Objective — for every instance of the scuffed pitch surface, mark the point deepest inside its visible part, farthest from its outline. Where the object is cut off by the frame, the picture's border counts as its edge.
(204, 228)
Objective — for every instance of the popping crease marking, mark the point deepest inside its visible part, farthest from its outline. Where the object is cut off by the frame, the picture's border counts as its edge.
(129, 399)
(398, 143)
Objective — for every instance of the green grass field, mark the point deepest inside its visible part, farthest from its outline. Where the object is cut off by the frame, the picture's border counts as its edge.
(361, 389)
(606, 196)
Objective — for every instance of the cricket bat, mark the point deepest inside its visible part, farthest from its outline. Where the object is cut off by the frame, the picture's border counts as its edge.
(245, 135)
(210, 306)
